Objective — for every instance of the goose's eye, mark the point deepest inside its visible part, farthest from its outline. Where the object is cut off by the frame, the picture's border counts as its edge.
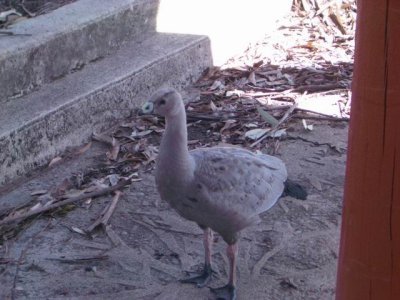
(162, 102)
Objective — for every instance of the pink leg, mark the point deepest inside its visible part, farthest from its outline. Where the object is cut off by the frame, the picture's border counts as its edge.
(208, 243)
(202, 279)
(231, 252)
(228, 292)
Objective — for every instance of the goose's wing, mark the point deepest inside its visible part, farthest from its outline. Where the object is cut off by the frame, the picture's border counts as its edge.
(238, 180)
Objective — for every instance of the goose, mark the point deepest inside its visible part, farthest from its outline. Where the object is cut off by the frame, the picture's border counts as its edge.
(222, 189)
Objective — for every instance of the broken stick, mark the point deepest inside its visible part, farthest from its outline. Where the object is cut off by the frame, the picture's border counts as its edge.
(283, 119)
(94, 194)
(107, 213)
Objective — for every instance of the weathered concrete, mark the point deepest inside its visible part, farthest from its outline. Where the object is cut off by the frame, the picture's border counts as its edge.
(69, 38)
(35, 128)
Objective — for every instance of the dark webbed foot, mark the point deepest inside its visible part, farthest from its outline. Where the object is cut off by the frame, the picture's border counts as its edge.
(227, 292)
(200, 280)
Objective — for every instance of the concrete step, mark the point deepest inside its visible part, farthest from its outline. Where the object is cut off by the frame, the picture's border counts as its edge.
(69, 38)
(41, 125)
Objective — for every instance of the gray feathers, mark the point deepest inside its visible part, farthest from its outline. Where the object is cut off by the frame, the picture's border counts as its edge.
(223, 188)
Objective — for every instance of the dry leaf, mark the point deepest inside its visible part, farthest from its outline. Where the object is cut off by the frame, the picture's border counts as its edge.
(62, 188)
(284, 206)
(306, 126)
(310, 45)
(102, 138)
(267, 117)
(84, 148)
(36, 206)
(252, 78)
(228, 124)
(258, 64)
(315, 183)
(255, 134)
(250, 125)
(97, 184)
(38, 192)
(55, 160)
(113, 155)
(278, 133)
(193, 142)
(213, 107)
(78, 230)
(140, 134)
(289, 78)
(113, 178)
(150, 153)
(217, 85)
(72, 193)
(7, 15)
(234, 92)
(306, 5)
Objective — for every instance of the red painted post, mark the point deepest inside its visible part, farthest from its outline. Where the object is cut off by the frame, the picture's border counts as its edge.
(369, 260)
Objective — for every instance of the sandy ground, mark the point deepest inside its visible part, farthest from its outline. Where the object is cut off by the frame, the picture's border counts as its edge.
(147, 248)
(292, 254)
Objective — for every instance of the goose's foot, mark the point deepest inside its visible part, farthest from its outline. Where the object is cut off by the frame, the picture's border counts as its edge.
(227, 292)
(202, 279)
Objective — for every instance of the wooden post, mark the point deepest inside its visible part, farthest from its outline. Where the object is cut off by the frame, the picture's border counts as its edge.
(369, 260)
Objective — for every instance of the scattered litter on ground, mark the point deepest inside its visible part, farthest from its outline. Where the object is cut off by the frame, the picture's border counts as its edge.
(281, 92)
(300, 71)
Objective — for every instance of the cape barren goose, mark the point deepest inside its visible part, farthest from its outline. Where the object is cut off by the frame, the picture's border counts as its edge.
(222, 189)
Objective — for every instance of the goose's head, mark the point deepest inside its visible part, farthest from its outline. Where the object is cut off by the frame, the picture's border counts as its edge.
(166, 102)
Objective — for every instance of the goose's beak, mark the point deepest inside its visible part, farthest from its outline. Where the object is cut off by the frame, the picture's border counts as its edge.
(147, 108)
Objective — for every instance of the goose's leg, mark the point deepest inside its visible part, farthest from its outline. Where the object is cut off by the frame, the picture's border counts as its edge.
(202, 279)
(228, 292)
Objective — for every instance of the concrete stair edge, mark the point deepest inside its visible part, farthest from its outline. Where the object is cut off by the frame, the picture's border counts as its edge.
(85, 31)
(31, 140)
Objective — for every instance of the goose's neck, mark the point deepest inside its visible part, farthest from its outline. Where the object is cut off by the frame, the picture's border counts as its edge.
(174, 153)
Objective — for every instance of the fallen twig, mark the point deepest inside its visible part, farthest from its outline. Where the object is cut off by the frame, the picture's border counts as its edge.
(107, 213)
(283, 119)
(333, 147)
(102, 138)
(286, 115)
(205, 117)
(321, 118)
(299, 109)
(157, 227)
(314, 161)
(94, 194)
(10, 33)
(6, 32)
(312, 88)
(78, 260)
(28, 12)
(113, 154)
(113, 236)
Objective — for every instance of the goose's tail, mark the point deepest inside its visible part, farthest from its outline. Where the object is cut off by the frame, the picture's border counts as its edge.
(294, 190)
